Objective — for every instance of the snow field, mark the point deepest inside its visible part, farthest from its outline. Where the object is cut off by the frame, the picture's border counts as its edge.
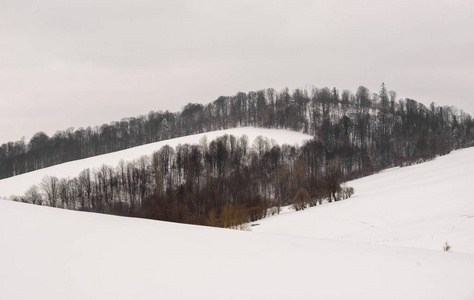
(50, 253)
(421, 206)
(383, 243)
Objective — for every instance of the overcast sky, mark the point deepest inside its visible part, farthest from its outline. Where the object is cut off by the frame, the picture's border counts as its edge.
(77, 63)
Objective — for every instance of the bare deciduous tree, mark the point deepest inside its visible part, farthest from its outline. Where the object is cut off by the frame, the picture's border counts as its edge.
(33, 195)
(49, 185)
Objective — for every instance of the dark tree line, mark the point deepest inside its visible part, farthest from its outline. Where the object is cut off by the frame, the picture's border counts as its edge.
(226, 182)
(372, 130)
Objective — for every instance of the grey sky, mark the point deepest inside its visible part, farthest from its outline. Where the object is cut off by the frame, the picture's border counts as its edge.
(77, 63)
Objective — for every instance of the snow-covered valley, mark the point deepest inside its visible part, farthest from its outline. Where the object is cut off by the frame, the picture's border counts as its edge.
(386, 242)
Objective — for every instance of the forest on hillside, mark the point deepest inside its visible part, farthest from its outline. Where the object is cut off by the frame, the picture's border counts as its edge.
(377, 129)
(224, 182)
(230, 181)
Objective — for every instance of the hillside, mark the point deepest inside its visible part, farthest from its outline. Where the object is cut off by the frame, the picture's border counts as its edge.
(374, 130)
(18, 185)
(421, 206)
(62, 254)
(326, 252)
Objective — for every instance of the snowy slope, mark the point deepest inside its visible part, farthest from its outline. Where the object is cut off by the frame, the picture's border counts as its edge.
(383, 243)
(48, 253)
(421, 206)
(19, 184)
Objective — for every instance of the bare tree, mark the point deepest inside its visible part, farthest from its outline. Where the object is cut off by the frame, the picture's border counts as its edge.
(333, 178)
(64, 193)
(33, 195)
(49, 185)
(301, 199)
(85, 185)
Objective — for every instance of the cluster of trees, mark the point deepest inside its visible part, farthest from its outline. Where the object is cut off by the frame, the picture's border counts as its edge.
(230, 181)
(226, 182)
(373, 129)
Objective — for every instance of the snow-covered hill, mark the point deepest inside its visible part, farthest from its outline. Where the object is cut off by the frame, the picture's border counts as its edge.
(18, 185)
(327, 252)
(422, 206)
(49, 253)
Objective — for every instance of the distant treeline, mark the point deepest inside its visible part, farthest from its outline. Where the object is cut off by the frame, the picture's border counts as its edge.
(374, 130)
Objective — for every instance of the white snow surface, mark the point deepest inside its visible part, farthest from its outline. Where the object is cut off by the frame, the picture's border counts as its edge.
(421, 206)
(49, 253)
(383, 243)
(19, 184)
